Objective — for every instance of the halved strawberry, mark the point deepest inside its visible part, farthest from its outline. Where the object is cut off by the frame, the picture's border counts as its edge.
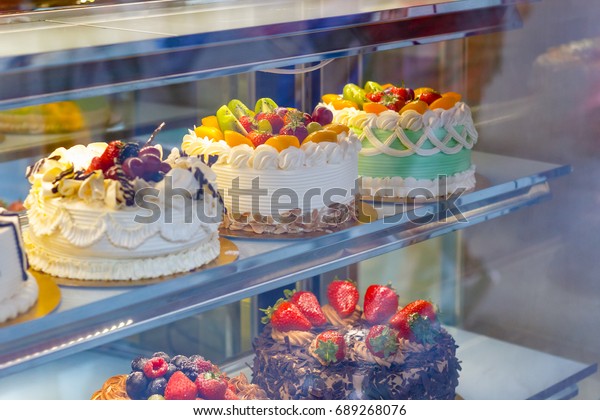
(382, 341)
(343, 296)
(330, 346)
(309, 305)
(286, 316)
(381, 303)
(258, 137)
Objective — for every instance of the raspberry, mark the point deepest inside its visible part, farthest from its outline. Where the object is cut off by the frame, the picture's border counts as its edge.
(155, 367)
(202, 365)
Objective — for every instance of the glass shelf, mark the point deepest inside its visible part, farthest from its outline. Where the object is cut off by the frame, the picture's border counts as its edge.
(70, 54)
(88, 318)
(540, 375)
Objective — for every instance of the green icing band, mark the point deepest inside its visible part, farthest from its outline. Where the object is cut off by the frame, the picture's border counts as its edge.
(416, 166)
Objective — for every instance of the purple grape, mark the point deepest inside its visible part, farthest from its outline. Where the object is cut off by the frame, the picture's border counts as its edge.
(151, 163)
(322, 115)
(410, 94)
(150, 150)
(133, 167)
(164, 167)
(281, 111)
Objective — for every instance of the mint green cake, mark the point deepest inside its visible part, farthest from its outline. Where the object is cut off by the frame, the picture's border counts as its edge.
(411, 154)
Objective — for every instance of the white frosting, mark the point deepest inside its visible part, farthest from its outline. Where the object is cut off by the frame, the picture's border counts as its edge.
(89, 234)
(21, 301)
(409, 187)
(309, 171)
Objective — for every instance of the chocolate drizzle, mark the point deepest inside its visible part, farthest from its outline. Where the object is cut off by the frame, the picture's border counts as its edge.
(126, 186)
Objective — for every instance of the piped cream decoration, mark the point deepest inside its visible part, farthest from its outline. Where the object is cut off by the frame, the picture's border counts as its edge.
(336, 320)
(296, 338)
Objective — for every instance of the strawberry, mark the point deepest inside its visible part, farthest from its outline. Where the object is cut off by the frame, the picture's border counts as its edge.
(248, 123)
(374, 96)
(343, 296)
(111, 153)
(421, 307)
(94, 165)
(381, 303)
(286, 316)
(331, 347)
(258, 137)
(382, 341)
(180, 387)
(392, 101)
(309, 306)
(275, 120)
(211, 386)
(401, 323)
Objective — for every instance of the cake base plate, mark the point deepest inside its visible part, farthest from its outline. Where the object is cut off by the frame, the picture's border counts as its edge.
(481, 182)
(48, 300)
(366, 214)
(228, 253)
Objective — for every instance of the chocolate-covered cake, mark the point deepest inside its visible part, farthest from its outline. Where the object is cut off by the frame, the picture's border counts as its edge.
(381, 352)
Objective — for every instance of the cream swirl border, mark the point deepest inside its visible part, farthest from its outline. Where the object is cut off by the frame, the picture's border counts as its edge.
(20, 302)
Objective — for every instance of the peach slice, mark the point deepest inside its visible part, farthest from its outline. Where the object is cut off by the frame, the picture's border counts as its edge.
(330, 97)
(445, 102)
(233, 138)
(420, 106)
(374, 107)
(455, 95)
(344, 103)
(283, 141)
(211, 121)
(337, 128)
(322, 135)
(211, 132)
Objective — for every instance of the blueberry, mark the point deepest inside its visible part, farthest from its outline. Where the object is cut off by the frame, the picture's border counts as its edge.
(157, 386)
(164, 356)
(129, 150)
(136, 385)
(138, 363)
(178, 360)
(154, 177)
(190, 369)
(170, 370)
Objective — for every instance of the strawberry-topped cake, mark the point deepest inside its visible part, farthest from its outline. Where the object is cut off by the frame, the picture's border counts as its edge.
(340, 351)
(415, 143)
(280, 170)
(165, 377)
(119, 211)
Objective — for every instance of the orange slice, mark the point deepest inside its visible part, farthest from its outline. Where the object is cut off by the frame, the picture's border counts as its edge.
(337, 128)
(322, 135)
(211, 132)
(330, 97)
(455, 95)
(211, 121)
(421, 90)
(283, 141)
(233, 138)
(420, 106)
(445, 102)
(374, 107)
(344, 103)
(387, 85)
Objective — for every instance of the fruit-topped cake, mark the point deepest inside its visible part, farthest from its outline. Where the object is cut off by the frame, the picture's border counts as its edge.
(281, 170)
(340, 351)
(415, 143)
(162, 377)
(119, 211)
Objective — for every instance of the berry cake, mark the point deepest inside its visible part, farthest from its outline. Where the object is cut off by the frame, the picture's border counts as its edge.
(118, 211)
(161, 377)
(280, 170)
(18, 289)
(339, 351)
(414, 143)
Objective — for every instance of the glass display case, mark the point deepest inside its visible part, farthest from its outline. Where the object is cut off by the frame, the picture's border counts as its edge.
(511, 263)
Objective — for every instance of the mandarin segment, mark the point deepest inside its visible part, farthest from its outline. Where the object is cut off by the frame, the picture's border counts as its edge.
(330, 97)
(419, 106)
(344, 103)
(211, 121)
(233, 138)
(374, 107)
(445, 102)
(211, 132)
(322, 135)
(454, 95)
(283, 141)
(338, 128)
